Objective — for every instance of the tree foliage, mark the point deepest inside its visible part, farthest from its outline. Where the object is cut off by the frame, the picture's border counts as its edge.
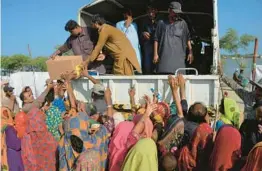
(21, 62)
(15, 62)
(39, 63)
(232, 42)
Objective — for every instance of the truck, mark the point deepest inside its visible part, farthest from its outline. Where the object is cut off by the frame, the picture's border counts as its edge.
(201, 17)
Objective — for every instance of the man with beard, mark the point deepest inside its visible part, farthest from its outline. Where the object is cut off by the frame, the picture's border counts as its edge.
(82, 41)
(171, 41)
(148, 32)
(117, 45)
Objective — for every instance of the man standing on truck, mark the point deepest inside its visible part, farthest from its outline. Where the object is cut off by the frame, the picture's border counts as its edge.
(148, 33)
(82, 41)
(117, 45)
(171, 41)
(129, 28)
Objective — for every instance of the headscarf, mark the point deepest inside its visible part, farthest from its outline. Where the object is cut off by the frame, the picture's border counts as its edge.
(78, 125)
(142, 157)
(60, 104)
(172, 137)
(148, 129)
(89, 161)
(117, 147)
(194, 155)
(231, 112)
(163, 110)
(254, 159)
(227, 148)
(118, 118)
(6, 119)
(38, 145)
(21, 120)
(53, 120)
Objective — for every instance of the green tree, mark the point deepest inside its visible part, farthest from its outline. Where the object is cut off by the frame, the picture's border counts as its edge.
(229, 42)
(232, 43)
(68, 53)
(40, 63)
(15, 62)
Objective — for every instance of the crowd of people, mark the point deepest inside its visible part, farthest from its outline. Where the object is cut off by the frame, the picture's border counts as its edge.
(57, 132)
(165, 43)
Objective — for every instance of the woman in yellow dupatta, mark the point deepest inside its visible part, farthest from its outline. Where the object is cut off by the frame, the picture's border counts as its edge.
(145, 150)
(6, 119)
(230, 113)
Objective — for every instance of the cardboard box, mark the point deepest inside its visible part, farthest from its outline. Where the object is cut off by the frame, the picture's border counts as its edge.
(62, 64)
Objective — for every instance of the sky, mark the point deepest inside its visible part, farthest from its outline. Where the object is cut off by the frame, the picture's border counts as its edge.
(41, 23)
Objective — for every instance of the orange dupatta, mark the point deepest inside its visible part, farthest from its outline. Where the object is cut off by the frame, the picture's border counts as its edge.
(6, 119)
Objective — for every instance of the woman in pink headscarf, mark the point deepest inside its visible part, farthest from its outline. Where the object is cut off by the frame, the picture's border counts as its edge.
(126, 135)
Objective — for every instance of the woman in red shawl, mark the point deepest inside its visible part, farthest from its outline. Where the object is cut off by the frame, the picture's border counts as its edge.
(254, 159)
(227, 149)
(197, 153)
(38, 145)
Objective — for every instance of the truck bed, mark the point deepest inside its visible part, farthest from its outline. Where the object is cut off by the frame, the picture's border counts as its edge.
(201, 88)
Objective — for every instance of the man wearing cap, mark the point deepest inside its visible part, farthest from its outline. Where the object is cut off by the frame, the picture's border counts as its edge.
(97, 94)
(9, 100)
(171, 41)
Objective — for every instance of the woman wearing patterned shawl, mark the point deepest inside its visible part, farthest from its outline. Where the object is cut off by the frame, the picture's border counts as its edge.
(10, 144)
(145, 150)
(197, 153)
(38, 145)
(227, 149)
(230, 113)
(89, 161)
(78, 125)
(254, 159)
(54, 117)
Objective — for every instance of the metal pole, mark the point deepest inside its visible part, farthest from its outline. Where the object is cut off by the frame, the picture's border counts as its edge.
(30, 54)
(254, 61)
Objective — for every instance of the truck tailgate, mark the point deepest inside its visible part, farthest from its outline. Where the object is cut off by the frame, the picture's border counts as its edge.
(202, 88)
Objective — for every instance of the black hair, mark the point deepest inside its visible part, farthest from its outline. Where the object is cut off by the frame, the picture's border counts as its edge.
(197, 114)
(257, 104)
(150, 7)
(222, 106)
(71, 25)
(77, 143)
(26, 87)
(22, 97)
(97, 96)
(127, 11)
(97, 18)
(50, 96)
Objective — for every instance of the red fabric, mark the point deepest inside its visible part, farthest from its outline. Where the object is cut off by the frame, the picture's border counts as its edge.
(38, 145)
(227, 149)
(194, 155)
(254, 159)
(163, 110)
